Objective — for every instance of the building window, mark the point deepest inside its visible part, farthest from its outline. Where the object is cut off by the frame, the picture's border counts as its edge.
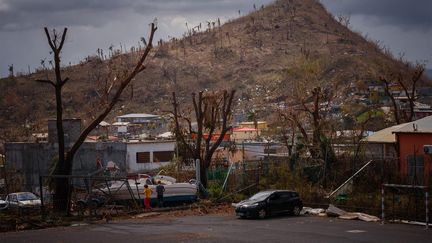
(415, 169)
(143, 157)
(163, 156)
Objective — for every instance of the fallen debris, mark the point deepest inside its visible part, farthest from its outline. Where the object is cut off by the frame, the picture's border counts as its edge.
(312, 211)
(368, 218)
(361, 216)
(409, 222)
(333, 211)
(146, 215)
(349, 216)
(78, 224)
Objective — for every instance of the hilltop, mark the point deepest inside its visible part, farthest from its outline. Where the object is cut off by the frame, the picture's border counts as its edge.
(265, 55)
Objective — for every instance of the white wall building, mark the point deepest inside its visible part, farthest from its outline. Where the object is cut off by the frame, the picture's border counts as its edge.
(143, 156)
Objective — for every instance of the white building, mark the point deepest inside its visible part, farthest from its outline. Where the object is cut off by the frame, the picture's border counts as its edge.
(140, 123)
(142, 156)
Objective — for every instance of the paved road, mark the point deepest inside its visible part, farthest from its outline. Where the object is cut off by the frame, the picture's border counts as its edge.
(213, 228)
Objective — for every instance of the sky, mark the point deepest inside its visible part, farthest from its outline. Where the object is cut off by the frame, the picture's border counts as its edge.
(405, 27)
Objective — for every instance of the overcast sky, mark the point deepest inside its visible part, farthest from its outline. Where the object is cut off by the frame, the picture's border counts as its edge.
(403, 26)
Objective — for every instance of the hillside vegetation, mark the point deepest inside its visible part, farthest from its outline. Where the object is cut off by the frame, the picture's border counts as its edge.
(271, 55)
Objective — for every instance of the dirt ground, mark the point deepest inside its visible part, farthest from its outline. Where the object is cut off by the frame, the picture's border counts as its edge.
(18, 222)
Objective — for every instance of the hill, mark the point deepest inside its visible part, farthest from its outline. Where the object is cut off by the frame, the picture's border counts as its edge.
(290, 45)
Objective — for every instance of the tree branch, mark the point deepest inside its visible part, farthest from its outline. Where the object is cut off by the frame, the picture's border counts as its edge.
(179, 134)
(62, 39)
(387, 91)
(64, 81)
(49, 40)
(115, 99)
(46, 81)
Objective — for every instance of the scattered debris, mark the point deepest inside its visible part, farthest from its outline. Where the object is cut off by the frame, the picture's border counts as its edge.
(349, 216)
(409, 222)
(146, 215)
(333, 211)
(78, 224)
(313, 211)
(361, 216)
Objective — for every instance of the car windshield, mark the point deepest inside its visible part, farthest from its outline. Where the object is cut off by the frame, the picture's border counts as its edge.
(26, 196)
(260, 196)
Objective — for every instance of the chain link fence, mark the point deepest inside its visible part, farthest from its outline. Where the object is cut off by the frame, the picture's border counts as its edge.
(361, 194)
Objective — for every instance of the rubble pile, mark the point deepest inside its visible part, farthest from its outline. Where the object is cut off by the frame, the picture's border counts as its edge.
(333, 211)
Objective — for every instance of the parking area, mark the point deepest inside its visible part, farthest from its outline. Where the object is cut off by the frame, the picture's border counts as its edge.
(226, 228)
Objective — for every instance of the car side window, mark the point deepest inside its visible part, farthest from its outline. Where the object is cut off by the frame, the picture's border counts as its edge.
(274, 197)
(286, 195)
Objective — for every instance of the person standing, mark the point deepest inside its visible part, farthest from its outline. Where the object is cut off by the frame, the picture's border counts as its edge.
(147, 196)
(160, 189)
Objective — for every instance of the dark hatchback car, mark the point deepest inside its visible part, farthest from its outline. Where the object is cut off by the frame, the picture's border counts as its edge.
(268, 203)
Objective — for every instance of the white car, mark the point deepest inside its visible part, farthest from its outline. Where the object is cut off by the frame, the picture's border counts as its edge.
(22, 200)
(3, 204)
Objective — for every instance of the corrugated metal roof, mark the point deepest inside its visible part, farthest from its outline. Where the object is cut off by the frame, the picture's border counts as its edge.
(384, 136)
(423, 125)
(387, 135)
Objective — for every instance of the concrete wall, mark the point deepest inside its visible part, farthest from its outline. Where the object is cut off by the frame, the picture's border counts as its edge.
(87, 155)
(380, 151)
(147, 146)
(71, 128)
(31, 160)
(245, 135)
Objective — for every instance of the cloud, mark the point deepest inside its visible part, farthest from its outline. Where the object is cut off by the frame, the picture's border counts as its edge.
(3, 6)
(27, 14)
(401, 13)
(178, 22)
(98, 24)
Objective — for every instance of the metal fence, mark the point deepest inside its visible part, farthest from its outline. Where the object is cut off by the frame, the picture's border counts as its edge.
(362, 194)
(91, 195)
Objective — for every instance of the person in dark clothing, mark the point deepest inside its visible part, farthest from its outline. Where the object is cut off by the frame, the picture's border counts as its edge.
(160, 189)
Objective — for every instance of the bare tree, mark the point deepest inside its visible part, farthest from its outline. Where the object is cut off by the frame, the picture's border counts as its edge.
(11, 71)
(407, 80)
(344, 20)
(212, 114)
(288, 131)
(65, 158)
(309, 113)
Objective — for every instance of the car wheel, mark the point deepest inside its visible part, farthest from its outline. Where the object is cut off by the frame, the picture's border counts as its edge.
(296, 211)
(262, 214)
